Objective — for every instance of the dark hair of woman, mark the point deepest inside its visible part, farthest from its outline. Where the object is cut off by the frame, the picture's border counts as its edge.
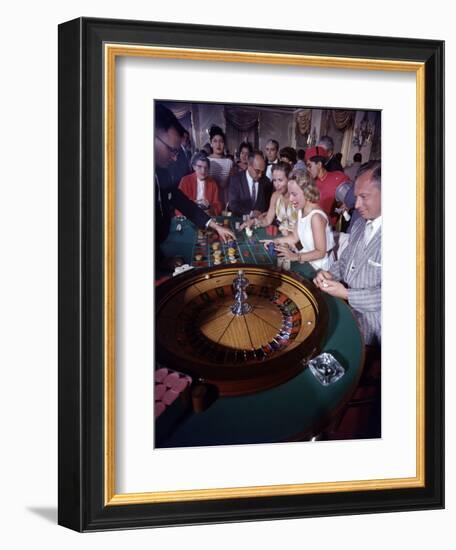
(245, 145)
(216, 131)
(283, 167)
(289, 153)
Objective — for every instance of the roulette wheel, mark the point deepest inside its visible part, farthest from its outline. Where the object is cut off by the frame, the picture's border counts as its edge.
(240, 330)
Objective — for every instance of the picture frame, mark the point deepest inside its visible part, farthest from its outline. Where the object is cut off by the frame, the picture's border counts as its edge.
(88, 49)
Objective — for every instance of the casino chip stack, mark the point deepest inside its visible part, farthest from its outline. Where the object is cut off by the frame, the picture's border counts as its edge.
(172, 400)
(232, 252)
(216, 253)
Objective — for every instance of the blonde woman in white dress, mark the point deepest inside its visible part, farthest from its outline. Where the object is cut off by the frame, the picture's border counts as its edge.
(221, 166)
(312, 229)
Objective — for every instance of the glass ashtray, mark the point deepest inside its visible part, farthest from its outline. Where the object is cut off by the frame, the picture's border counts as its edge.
(326, 369)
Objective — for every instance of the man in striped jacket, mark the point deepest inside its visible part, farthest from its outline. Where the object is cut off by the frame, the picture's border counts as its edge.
(357, 275)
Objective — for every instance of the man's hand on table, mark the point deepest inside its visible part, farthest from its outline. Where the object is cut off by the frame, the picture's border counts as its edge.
(325, 282)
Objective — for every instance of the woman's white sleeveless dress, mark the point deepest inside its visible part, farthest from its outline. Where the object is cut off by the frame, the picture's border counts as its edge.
(305, 234)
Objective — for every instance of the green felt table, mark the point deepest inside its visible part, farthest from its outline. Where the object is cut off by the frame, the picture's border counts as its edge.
(290, 411)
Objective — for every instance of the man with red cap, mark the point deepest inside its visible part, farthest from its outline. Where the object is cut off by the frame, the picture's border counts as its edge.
(327, 182)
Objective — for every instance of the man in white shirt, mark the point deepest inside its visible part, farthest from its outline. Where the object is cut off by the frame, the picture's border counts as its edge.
(249, 190)
(272, 156)
(356, 276)
(332, 163)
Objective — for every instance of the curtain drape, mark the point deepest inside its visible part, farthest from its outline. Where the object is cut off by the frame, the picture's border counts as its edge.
(180, 109)
(343, 119)
(303, 118)
(241, 125)
(242, 120)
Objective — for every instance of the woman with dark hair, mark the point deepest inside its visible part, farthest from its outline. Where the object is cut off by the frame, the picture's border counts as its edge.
(244, 149)
(312, 230)
(327, 182)
(221, 167)
(280, 207)
(288, 154)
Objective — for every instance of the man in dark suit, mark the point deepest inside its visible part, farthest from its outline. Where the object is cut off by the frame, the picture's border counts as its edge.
(181, 167)
(272, 156)
(168, 133)
(332, 163)
(250, 190)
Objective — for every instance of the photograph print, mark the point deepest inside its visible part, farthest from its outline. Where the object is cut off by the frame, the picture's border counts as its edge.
(268, 274)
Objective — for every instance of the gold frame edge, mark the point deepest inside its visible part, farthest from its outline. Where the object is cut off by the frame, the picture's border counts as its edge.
(111, 51)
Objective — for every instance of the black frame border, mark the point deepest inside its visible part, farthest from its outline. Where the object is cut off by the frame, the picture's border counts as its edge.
(80, 172)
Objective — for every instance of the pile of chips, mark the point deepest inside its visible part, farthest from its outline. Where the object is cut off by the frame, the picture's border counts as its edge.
(169, 385)
(217, 253)
(232, 252)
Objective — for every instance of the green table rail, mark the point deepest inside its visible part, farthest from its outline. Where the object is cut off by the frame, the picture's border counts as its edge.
(291, 411)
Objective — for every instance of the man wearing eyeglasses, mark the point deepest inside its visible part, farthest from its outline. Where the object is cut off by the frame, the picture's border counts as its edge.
(168, 134)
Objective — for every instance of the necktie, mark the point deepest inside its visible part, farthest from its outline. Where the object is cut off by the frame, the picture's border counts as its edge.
(368, 232)
(253, 195)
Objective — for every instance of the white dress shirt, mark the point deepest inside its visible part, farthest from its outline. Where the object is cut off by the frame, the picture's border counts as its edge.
(269, 169)
(372, 226)
(252, 184)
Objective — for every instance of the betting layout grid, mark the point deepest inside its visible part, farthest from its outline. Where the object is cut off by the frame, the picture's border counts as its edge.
(246, 249)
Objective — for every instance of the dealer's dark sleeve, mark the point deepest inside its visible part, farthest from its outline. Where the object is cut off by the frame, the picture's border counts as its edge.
(234, 200)
(267, 188)
(188, 208)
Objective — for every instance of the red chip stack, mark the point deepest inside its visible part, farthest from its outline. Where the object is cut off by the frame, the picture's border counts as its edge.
(169, 386)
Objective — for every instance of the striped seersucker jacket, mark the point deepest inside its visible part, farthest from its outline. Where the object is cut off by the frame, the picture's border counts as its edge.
(360, 268)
